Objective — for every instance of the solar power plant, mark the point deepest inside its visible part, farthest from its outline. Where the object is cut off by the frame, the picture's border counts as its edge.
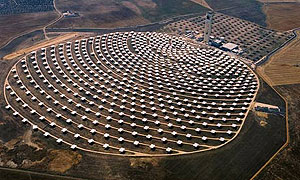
(132, 94)
(256, 41)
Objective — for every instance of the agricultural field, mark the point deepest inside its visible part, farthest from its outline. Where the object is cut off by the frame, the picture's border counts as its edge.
(283, 68)
(282, 16)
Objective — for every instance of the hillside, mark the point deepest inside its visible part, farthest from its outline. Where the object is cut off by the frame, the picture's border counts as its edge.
(115, 13)
(19, 24)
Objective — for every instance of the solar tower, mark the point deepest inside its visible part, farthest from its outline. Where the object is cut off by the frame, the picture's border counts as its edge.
(208, 24)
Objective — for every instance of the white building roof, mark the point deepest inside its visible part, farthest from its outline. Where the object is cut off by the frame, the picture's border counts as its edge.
(230, 46)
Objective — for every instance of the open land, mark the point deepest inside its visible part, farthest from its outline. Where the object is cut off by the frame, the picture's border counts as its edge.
(285, 164)
(135, 12)
(282, 16)
(282, 72)
(18, 24)
(202, 3)
(284, 67)
(110, 14)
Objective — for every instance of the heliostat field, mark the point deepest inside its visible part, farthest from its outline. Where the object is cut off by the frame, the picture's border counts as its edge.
(132, 94)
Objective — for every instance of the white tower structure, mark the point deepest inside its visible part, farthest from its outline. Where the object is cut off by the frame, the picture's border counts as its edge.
(208, 24)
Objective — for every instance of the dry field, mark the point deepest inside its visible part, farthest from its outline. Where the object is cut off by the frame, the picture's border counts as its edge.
(282, 16)
(15, 25)
(284, 67)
